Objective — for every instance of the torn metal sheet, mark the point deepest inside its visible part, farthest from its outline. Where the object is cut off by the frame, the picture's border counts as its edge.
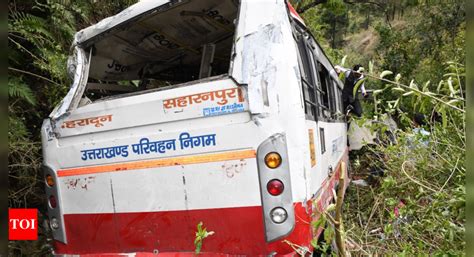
(153, 36)
(80, 65)
(122, 18)
(260, 50)
(151, 39)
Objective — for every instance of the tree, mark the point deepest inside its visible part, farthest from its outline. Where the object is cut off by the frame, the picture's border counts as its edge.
(388, 7)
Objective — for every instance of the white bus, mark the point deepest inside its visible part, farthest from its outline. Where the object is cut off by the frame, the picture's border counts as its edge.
(223, 112)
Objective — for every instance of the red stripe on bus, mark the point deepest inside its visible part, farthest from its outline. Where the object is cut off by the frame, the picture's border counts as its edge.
(236, 231)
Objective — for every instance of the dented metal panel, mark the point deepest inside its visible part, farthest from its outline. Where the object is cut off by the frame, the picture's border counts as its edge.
(260, 51)
(127, 15)
(152, 36)
(266, 61)
(80, 66)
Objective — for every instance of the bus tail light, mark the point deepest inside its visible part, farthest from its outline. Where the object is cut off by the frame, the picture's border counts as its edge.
(278, 215)
(54, 223)
(52, 202)
(275, 187)
(273, 160)
(49, 180)
(54, 205)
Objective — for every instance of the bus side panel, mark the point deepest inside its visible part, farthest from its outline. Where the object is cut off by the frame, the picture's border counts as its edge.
(336, 141)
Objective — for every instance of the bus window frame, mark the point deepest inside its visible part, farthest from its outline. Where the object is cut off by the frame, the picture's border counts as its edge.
(324, 93)
(306, 72)
(310, 44)
(338, 106)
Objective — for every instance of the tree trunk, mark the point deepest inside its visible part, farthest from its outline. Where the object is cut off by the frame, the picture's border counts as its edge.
(367, 20)
(338, 224)
(333, 32)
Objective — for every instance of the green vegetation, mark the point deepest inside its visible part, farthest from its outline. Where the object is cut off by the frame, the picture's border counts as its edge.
(416, 208)
(201, 234)
(414, 54)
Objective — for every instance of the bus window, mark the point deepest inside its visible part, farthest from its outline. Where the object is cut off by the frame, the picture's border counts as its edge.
(337, 93)
(324, 91)
(307, 77)
(332, 90)
(322, 140)
(339, 97)
(332, 101)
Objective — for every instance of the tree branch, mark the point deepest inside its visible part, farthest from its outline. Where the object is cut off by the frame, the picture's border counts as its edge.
(33, 74)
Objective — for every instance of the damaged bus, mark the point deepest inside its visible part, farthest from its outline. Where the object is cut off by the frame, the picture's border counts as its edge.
(223, 112)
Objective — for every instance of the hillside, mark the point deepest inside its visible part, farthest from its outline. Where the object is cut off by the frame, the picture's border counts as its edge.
(410, 195)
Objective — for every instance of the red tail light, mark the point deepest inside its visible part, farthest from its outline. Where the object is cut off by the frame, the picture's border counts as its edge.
(52, 202)
(275, 187)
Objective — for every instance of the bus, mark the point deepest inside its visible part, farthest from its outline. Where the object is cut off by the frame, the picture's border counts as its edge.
(223, 113)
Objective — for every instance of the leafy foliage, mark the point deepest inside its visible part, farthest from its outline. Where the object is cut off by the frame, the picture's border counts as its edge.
(419, 44)
(17, 89)
(324, 222)
(414, 51)
(201, 234)
(418, 206)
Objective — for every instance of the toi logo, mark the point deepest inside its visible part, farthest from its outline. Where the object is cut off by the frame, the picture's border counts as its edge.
(22, 224)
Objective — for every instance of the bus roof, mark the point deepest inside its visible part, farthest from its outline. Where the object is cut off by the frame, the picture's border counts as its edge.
(136, 11)
(160, 39)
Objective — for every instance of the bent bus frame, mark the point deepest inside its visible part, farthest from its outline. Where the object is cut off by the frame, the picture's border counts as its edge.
(183, 112)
